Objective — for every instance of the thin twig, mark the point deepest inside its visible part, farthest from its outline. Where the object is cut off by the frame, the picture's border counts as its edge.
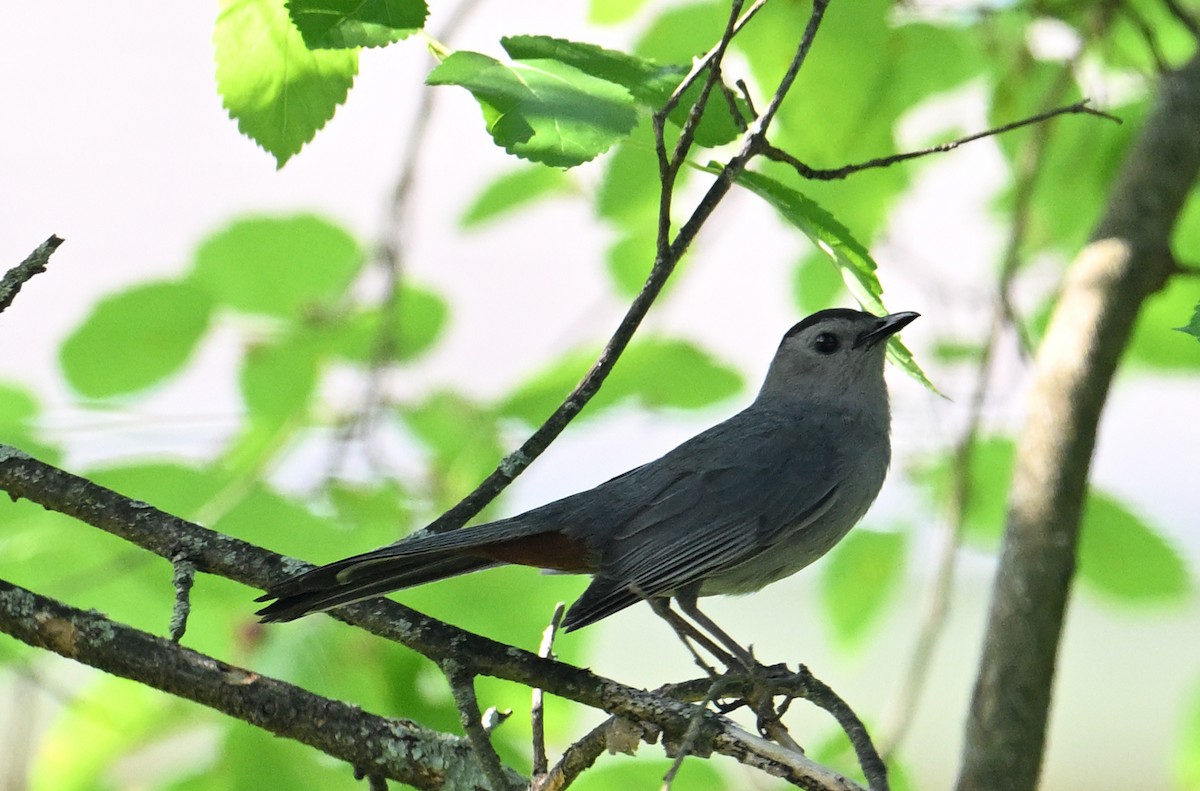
(688, 743)
(537, 713)
(576, 759)
(516, 462)
(34, 263)
(462, 687)
(832, 174)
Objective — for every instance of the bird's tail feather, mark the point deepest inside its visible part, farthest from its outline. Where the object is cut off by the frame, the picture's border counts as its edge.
(358, 578)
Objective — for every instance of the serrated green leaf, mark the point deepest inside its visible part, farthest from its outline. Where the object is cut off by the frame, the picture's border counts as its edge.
(858, 579)
(1193, 327)
(847, 254)
(650, 83)
(279, 266)
(514, 190)
(654, 372)
(136, 338)
(542, 110)
(279, 91)
(342, 24)
(1123, 557)
(278, 379)
(367, 336)
(989, 472)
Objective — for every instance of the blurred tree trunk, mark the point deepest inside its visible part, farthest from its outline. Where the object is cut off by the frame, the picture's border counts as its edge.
(1128, 259)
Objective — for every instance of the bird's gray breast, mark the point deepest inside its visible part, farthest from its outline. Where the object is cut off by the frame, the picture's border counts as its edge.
(834, 471)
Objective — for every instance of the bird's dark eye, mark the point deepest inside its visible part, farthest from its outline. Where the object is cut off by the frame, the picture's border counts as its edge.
(826, 343)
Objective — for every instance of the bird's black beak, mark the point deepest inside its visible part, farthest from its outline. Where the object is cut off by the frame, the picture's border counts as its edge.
(884, 328)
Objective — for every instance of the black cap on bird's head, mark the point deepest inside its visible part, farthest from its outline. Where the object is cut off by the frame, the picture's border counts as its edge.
(833, 351)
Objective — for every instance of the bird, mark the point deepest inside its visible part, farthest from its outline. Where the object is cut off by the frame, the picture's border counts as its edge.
(745, 503)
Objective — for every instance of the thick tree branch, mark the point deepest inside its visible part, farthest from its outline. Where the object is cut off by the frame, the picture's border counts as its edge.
(171, 537)
(1127, 260)
(399, 749)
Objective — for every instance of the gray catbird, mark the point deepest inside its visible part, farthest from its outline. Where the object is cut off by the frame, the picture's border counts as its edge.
(747, 502)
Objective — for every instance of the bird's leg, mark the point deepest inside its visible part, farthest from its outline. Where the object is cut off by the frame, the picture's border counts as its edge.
(686, 632)
(686, 599)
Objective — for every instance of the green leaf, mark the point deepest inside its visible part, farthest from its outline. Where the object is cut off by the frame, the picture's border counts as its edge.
(650, 83)
(422, 315)
(342, 24)
(279, 91)
(859, 578)
(18, 412)
(463, 437)
(989, 473)
(542, 110)
(1187, 751)
(514, 190)
(631, 257)
(1193, 327)
(135, 339)
(816, 285)
(1124, 558)
(278, 379)
(109, 720)
(612, 12)
(629, 190)
(847, 254)
(1154, 343)
(655, 372)
(279, 266)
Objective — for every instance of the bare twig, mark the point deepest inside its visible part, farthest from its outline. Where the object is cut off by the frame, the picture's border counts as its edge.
(34, 263)
(462, 687)
(576, 759)
(832, 174)
(537, 712)
(688, 743)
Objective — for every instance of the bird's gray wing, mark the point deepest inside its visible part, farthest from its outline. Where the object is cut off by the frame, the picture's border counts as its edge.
(713, 503)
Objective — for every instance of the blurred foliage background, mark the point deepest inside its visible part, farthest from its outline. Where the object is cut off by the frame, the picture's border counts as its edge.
(323, 320)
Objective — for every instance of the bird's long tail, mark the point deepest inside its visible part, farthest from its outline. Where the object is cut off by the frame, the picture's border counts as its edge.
(418, 560)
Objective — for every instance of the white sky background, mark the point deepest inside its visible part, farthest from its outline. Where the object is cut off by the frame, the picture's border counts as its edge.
(115, 140)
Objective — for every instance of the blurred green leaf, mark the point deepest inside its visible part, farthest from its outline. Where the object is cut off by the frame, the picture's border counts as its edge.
(542, 110)
(278, 379)
(989, 472)
(279, 266)
(859, 579)
(847, 254)
(251, 758)
(111, 718)
(646, 772)
(135, 338)
(279, 91)
(1155, 343)
(463, 437)
(342, 24)
(655, 372)
(172, 487)
(262, 515)
(514, 190)
(816, 284)
(612, 12)
(629, 188)
(421, 317)
(1187, 750)
(1124, 558)
(18, 412)
(631, 257)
